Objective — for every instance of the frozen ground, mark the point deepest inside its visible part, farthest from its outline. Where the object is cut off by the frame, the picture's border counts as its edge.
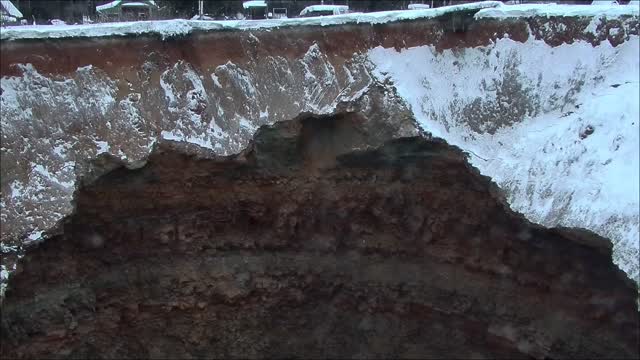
(171, 28)
(530, 10)
(525, 112)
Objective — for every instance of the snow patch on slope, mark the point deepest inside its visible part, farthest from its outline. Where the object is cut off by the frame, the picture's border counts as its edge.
(37, 113)
(188, 105)
(520, 110)
(319, 76)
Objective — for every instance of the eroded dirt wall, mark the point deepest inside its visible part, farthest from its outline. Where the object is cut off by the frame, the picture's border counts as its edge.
(66, 101)
(301, 246)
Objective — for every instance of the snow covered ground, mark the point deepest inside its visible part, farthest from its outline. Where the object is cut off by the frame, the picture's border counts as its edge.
(564, 10)
(179, 27)
(171, 28)
(524, 112)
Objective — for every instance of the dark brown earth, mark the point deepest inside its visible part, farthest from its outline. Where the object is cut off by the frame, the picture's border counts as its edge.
(303, 247)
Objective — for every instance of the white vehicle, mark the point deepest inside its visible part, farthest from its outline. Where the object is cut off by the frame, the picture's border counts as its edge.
(324, 10)
(418, 6)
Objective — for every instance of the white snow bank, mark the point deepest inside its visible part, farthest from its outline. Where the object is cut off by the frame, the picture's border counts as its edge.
(170, 28)
(547, 10)
(165, 28)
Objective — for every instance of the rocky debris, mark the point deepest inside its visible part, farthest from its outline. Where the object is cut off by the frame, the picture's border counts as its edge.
(588, 130)
(321, 239)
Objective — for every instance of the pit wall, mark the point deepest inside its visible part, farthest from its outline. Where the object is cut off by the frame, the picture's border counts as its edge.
(66, 101)
(553, 119)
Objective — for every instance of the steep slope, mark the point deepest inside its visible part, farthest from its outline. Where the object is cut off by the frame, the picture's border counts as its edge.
(301, 246)
(554, 123)
(492, 83)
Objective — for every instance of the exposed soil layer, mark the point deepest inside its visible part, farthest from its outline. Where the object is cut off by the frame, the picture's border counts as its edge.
(79, 97)
(112, 55)
(301, 246)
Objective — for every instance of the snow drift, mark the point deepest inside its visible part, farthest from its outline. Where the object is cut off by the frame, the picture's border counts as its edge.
(543, 98)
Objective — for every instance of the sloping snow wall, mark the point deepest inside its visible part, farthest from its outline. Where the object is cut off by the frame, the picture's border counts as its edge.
(544, 103)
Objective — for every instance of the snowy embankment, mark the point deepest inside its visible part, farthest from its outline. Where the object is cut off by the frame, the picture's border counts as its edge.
(555, 127)
(548, 10)
(172, 28)
(179, 27)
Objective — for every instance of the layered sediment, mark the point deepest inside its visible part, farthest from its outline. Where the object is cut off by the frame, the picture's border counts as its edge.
(321, 239)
